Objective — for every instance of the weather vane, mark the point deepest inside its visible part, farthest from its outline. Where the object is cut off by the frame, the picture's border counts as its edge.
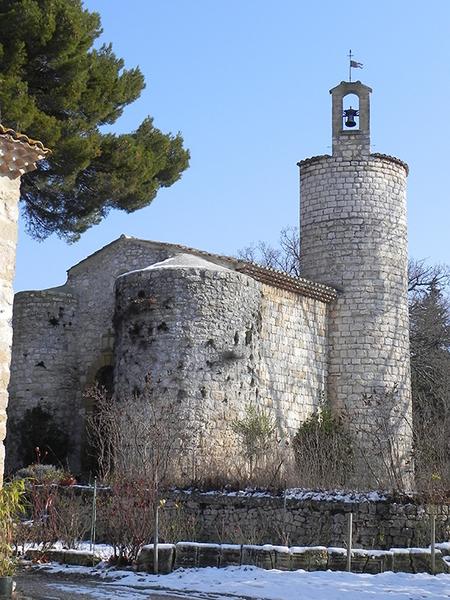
(353, 64)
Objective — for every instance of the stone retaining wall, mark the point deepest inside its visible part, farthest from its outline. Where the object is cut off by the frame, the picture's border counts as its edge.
(185, 555)
(314, 518)
(316, 558)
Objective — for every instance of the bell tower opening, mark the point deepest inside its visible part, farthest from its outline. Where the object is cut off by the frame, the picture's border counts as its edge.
(350, 113)
(351, 119)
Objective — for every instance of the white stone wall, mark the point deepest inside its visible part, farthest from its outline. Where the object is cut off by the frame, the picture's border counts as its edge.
(86, 301)
(293, 355)
(44, 371)
(354, 237)
(213, 342)
(9, 196)
(216, 341)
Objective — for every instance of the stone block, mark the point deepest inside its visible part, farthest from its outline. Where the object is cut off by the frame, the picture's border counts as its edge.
(166, 558)
(230, 555)
(421, 561)
(401, 561)
(251, 555)
(185, 555)
(208, 555)
(317, 558)
(68, 557)
(299, 558)
(82, 559)
(337, 559)
(51, 555)
(267, 557)
(283, 560)
(359, 562)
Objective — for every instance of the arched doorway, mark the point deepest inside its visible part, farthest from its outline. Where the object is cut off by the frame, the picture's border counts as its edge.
(97, 398)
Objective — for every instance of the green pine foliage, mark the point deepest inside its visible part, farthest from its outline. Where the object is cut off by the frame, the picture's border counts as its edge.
(56, 87)
(430, 378)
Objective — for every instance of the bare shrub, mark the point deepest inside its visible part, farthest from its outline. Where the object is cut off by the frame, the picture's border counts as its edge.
(55, 514)
(126, 517)
(178, 523)
(136, 437)
(140, 450)
(380, 437)
(323, 450)
(72, 517)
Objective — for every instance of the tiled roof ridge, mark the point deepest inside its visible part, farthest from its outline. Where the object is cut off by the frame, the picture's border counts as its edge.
(22, 137)
(288, 282)
(267, 275)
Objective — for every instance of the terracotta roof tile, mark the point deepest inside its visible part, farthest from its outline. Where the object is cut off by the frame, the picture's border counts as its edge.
(21, 137)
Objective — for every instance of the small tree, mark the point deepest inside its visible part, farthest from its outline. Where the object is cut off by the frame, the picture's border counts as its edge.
(284, 257)
(256, 431)
(323, 450)
(139, 444)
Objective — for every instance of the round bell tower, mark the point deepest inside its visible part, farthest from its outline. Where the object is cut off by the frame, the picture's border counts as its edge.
(353, 236)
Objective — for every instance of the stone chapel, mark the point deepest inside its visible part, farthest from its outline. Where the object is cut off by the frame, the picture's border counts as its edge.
(215, 334)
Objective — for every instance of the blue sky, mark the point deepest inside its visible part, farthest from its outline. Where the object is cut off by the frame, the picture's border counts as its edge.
(246, 82)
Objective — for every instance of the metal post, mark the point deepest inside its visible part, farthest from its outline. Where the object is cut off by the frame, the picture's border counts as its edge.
(433, 544)
(156, 532)
(155, 540)
(349, 541)
(94, 516)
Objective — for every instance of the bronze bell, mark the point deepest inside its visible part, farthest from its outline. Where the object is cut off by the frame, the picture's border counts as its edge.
(350, 115)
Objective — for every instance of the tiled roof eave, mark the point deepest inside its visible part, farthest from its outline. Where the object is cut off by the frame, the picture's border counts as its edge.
(282, 280)
(24, 139)
(19, 153)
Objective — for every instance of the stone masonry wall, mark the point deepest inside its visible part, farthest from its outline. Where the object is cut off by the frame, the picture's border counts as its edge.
(354, 237)
(312, 519)
(9, 197)
(45, 369)
(215, 341)
(83, 349)
(292, 363)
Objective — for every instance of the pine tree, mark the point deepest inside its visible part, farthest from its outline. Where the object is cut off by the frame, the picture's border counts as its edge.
(430, 378)
(430, 346)
(58, 88)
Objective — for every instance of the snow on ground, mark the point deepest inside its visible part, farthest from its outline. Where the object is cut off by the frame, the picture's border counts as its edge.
(252, 582)
(104, 551)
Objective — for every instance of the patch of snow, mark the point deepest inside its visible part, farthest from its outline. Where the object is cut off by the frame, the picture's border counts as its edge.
(296, 494)
(231, 546)
(160, 546)
(302, 549)
(443, 546)
(251, 582)
(413, 551)
(104, 551)
(180, 261)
